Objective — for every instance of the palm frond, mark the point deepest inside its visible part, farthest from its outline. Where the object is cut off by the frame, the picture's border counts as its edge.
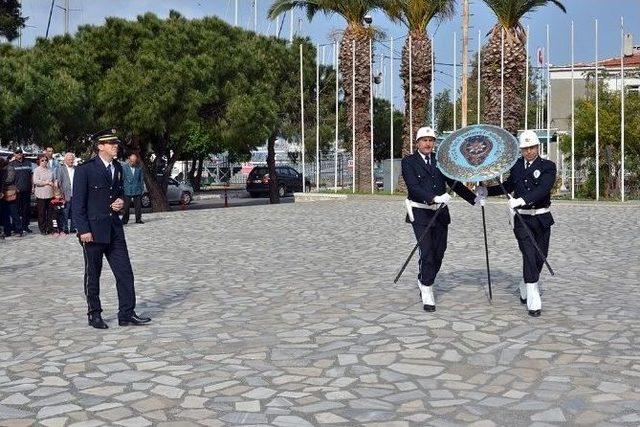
(416, 14)
(353, 11)
(509, 12)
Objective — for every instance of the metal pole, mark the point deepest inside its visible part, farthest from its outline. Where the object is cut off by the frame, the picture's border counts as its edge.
(410, 94)
(291, 26)
(486, 252)
(526, 85)
(433, 87)
(455, 78)
(597, 122)
(304, 184)
(353, 114)
(502, 78)
(391, 108)
(371, 107)
(465, 60)
(549, 95)
(255, 16)
(336, 59)
(235, 21)
(478, 84)
(622, 108)
(66, 17)
(318, 117)
(573, 119)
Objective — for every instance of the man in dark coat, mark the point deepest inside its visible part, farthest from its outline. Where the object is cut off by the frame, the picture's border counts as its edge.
(97, 199)
(530, 182)
(426, 187)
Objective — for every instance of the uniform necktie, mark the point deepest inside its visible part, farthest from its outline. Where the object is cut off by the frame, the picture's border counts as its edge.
(428, 159)
(109, 171)
(526, 165)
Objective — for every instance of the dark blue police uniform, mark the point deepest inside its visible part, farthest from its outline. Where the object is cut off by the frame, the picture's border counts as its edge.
(533, 184)
(424, 182)
(94, 191)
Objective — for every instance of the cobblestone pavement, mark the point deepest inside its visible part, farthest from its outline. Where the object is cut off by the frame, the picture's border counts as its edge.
(287, 316)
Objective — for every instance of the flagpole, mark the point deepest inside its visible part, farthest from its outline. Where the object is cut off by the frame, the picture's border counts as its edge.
(573, 118)
(478, 65)
(391, 108)
(304, 185)
(597, 121)
(433, 86)
(502, 77)
(526, 87)
(337, 59)
(548, 95)
(410, 94)
(318, 117)
(371, 107)
(455, 77)
(622, 108)
(353, 114)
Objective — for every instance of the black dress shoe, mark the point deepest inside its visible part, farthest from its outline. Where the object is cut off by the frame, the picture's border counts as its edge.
(523, 300)
(535, 313)
(134, 320)
(97, 322)
(140, 222)
(429, 308)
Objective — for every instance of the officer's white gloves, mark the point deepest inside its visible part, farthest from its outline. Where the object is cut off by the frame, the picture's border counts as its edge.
(515, 203)
(444, 198)
(482, 192)
(481, 196)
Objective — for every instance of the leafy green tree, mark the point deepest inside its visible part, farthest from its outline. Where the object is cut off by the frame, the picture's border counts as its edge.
(610, 146)
(11, 19)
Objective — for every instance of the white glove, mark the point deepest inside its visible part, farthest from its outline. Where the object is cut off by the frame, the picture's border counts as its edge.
(482, 192)
(444, 198)
(479, 201)
(514, 203)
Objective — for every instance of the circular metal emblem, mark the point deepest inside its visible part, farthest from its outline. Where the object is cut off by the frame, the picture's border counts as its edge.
(477, 153)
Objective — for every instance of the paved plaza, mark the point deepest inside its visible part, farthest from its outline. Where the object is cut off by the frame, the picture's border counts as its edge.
(287, 316)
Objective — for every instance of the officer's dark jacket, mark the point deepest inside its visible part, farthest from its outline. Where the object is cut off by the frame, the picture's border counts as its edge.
(19, 174)
(93, 193)
(533, 185)
(424, 182)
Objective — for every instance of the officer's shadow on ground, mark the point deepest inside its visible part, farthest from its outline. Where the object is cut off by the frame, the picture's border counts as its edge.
(502, 281)
(168, 301)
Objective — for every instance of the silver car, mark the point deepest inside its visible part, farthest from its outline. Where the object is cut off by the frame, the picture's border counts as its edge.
(177, 193)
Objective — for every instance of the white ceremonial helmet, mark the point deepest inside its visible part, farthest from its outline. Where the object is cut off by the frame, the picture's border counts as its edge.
(425, 132)
(528, 138)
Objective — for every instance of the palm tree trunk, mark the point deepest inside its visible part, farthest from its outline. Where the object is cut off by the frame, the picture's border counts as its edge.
(421, 71)
(362, 99)
(514, 75)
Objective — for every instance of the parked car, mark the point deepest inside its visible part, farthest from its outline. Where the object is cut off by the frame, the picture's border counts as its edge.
(177, 193)
(289, 181)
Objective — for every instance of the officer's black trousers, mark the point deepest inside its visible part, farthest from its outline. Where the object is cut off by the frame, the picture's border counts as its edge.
(432, 249)
(532, 262)
(118, 258)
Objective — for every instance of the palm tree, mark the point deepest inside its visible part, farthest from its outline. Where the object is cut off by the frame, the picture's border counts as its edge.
(416, 15)
(354, 12)
(508, 13)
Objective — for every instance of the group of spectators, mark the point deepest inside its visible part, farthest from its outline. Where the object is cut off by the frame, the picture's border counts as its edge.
(51, 182)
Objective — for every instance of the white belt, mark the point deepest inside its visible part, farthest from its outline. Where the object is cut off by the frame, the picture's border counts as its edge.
(534, 212)
(410, 204)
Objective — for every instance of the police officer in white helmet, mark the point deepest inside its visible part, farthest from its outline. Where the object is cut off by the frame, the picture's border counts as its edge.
(426, 192)
(529, 187)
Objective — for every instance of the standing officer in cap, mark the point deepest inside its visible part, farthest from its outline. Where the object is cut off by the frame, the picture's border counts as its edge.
(426, 193)
(530, 180)
(97, 199)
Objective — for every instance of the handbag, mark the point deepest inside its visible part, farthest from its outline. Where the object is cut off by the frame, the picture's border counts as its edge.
(10, 193)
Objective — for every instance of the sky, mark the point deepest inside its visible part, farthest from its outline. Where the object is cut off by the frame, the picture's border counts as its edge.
(320, 30)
